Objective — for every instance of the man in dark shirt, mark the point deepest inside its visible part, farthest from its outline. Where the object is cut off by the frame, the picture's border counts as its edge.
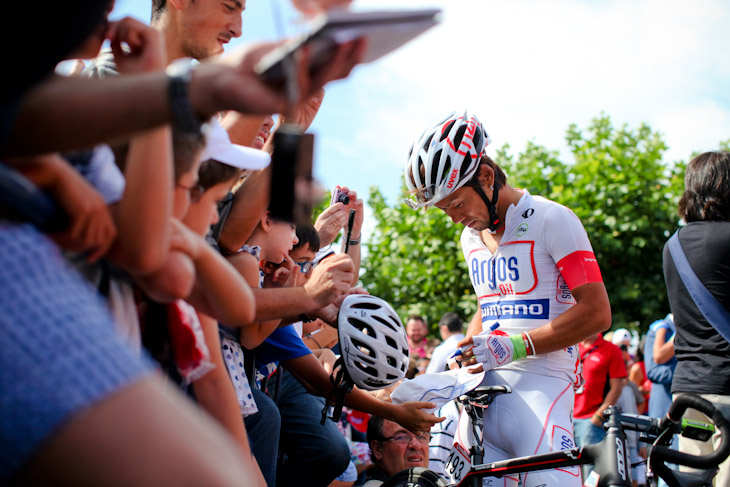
(703, 355)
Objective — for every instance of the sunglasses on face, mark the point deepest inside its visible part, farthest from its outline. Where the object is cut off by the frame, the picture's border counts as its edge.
(306, 266)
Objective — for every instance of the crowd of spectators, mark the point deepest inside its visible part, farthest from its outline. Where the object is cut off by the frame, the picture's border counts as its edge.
(161, 326)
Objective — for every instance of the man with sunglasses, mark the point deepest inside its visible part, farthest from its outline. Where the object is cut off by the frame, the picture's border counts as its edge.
(392, 449)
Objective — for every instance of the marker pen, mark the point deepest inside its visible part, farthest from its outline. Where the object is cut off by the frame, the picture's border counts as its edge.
(459, 351)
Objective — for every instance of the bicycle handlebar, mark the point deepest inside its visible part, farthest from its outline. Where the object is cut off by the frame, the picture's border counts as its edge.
(674, 416)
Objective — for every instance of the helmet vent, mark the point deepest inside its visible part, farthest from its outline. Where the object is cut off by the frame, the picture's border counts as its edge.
(362, 326)
(384, 322)
(391, 343)
(392, 377)
(477, 139)
(466, 163)
(391, 361)
(367, 369)
(447, 168)
(363, 348)
(365, 306)
(459, 135)
(445, 131)
(428, 142)
(437, 157)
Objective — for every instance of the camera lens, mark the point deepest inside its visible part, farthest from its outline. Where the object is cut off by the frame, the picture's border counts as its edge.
(344, 199)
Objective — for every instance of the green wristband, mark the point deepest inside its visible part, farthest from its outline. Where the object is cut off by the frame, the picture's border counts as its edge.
(518, 345)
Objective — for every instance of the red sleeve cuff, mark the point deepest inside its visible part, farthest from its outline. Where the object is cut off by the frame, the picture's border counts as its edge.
(579, 268)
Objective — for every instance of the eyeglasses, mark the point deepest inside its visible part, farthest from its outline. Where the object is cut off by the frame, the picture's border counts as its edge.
(196, 191)
(405, 438)
(419, 197)
(306, 266)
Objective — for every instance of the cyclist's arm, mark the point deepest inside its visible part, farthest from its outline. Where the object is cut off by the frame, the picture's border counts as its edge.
(567, 243)
(475, 325)
(590, 315)
(663, 349)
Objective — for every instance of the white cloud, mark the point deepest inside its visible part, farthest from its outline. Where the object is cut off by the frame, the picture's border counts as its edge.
(530, 68)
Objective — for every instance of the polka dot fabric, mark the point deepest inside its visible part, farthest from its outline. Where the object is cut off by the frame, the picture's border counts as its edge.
(233, 357)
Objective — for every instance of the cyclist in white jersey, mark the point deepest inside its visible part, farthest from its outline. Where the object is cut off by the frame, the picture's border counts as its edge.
(539, 289)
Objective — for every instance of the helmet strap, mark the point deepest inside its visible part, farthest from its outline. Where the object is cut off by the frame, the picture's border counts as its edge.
(342, 385)
(494, 219)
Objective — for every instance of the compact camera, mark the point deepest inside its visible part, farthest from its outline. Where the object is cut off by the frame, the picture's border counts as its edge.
(339, 196)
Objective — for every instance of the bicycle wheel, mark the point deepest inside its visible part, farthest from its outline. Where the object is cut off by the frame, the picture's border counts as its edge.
(415, 477)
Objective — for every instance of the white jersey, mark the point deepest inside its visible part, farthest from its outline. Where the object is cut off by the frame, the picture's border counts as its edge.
(543, 254)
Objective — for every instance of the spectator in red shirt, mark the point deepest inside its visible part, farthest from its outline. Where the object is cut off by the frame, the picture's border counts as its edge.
(604, 372)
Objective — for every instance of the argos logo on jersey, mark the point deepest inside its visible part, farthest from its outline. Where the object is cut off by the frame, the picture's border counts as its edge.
(530, 309)
(512, 271)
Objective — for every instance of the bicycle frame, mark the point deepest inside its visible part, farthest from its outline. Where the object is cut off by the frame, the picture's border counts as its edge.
(610, 457)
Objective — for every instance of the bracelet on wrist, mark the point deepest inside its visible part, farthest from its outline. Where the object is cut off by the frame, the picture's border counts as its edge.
(529, 346)
(355, 241)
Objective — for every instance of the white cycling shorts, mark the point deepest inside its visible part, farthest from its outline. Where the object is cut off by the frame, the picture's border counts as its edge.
(537, 417)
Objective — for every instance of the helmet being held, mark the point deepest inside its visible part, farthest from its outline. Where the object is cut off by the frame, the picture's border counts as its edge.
(373, 342)
(444, 158)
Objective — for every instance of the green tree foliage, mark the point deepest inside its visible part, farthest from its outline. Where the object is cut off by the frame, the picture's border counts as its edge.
(619, 187)
(415, 263)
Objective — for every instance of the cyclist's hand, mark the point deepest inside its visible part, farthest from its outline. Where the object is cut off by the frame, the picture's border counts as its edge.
(411, 416)
(492, 349)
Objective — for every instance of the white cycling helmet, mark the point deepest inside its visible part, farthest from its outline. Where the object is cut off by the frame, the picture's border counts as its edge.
(444, 158)
(373, 342)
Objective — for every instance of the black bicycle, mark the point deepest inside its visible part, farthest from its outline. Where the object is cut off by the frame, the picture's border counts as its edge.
(610, 457)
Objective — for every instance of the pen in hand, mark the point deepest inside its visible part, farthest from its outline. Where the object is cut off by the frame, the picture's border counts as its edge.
(459, 350)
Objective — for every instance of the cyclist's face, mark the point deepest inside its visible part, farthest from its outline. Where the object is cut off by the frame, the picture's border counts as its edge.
(394, 456)
(464, 206)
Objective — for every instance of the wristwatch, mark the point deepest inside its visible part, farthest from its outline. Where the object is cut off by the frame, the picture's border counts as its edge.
(354, 242)
(184, 118)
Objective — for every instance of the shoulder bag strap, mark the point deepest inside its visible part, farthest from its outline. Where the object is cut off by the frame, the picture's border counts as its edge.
(708, 305)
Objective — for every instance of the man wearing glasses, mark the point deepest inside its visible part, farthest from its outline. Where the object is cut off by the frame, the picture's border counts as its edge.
(392, 449)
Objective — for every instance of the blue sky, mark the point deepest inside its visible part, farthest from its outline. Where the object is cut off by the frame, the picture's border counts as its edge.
(527, 68)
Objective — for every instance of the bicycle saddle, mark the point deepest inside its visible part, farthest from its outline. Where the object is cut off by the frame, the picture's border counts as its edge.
(486, 394)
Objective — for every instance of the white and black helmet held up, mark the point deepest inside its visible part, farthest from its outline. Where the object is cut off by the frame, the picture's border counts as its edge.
(373, 342)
